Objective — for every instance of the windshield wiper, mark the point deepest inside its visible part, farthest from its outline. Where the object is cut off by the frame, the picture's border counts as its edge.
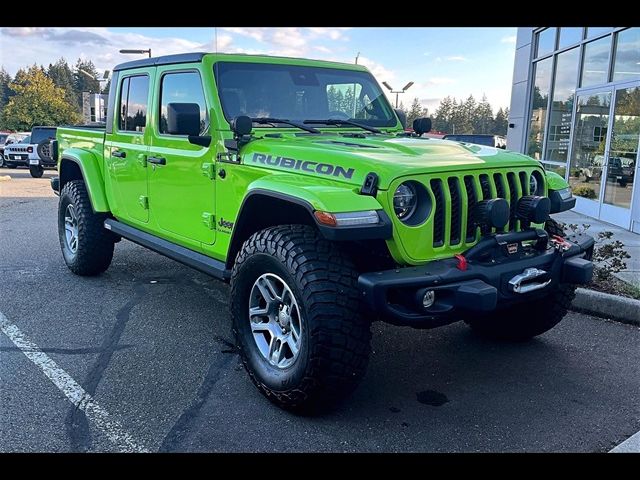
(338, 122)
(267, 120)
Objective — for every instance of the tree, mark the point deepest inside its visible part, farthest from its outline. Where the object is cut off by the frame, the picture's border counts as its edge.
(62, 77)
(416, 111)
(5, 91)
(107, 86)
(501, 122)
(37, 101)
(85, 79)
(483, 117)
(443, 114)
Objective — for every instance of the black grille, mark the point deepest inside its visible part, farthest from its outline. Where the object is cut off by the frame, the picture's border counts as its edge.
(486, 187)
(472, 199)
(456, 210)
(513, 200)
(438, 220)
(508, 185)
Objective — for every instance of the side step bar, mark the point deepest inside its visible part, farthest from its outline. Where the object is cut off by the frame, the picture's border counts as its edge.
(196, 260)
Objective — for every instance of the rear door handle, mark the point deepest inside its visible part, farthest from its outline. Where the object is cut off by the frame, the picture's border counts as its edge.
(119, 154)
(157, 160)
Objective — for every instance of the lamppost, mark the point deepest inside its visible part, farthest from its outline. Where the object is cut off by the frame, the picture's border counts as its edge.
(136, 52)
(404, 89)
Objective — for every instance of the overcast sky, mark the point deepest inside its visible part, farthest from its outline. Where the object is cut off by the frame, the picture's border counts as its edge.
(441, 61)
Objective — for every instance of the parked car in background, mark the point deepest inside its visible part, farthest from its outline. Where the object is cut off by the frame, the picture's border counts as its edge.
(14, 156)
(7, 138)
(34, 153)
(497, 141)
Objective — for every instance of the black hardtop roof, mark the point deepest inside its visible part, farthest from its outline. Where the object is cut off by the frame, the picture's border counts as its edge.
(163, 60)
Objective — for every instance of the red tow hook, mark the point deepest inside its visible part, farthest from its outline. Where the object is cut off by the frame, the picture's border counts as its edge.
(462, 262)
(561, 243)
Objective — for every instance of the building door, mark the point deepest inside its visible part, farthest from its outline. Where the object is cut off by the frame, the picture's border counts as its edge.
(604, 153)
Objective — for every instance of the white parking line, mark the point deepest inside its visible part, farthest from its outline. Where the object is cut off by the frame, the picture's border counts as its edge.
(72, 390)
(630, 445)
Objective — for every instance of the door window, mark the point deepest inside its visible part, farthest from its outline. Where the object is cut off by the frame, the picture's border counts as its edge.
(182, 87)
(587, 156)
(134, 95)
(623, 152)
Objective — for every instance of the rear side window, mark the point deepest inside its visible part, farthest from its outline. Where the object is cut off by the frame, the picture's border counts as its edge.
(182, 87)
(40, 134)
(133, 104)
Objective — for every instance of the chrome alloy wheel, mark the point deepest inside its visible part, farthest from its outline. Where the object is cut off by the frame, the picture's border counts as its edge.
(276, 321)
(71, 228)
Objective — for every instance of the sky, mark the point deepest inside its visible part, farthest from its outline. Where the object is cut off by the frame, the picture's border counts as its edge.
(440, 61)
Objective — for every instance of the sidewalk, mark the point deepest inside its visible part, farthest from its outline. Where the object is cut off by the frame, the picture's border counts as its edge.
(631, 241)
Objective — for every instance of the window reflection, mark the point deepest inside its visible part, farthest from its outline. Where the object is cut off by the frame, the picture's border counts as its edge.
(587, 157)
(540, 100)
(546, 41)
(562, 106)
(569, 36)
(623, 153)
(595, 68)
(182, 87)
(627, 58)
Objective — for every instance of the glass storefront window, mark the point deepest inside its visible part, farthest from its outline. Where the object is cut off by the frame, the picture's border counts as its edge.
(539, 102)
(626, 64)
(559, 168)
(595, 67)
(587, 156)
(595, 31)
(546, 41)
(564, 87)
(623, 152)
(569, 36)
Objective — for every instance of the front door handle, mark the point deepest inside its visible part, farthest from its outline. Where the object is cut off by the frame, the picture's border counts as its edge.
(157, 160)
(119, 154)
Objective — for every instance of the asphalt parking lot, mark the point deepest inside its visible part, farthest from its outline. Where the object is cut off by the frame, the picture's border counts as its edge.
(150, 342)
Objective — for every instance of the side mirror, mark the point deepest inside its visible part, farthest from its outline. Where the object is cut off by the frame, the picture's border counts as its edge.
(241, 125)
(402, 117)
(183, 119)
(422, 125)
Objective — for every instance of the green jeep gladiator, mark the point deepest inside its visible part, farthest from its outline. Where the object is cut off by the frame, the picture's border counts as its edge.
(295, 181)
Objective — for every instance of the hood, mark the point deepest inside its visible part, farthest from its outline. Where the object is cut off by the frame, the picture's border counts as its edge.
(349, 159)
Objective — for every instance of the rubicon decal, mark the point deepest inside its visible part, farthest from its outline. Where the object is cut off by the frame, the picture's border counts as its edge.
(304, 165)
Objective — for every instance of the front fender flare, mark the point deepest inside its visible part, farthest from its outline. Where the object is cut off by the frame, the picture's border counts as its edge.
(88, 164)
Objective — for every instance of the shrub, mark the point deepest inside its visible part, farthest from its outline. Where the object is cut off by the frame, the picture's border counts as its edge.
(584, 191)
(608, 256)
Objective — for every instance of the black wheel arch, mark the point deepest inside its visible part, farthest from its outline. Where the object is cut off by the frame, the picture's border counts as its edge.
(69, 170)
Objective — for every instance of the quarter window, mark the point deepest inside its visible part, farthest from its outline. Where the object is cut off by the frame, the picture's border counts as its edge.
(134, 95)
(182, 87)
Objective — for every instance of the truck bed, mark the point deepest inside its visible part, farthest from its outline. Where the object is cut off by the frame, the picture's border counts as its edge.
(84, 137)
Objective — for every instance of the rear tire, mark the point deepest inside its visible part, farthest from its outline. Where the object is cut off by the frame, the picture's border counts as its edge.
(334, 338)
(87, 247)
(526, 320)
(36, 171)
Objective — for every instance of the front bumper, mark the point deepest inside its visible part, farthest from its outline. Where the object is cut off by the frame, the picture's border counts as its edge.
(17, 159)
(501, 270)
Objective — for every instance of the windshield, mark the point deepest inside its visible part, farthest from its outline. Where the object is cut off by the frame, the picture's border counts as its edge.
(3, 138)
(40, 134)
(300, 93)
(26, 139)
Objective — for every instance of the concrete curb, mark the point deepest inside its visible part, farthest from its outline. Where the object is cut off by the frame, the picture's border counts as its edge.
(605, 305)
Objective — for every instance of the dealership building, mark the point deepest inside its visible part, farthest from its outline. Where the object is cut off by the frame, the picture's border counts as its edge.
(575, 106)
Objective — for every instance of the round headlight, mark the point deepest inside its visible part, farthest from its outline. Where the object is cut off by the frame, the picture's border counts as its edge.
(536, 186)
(405, 200)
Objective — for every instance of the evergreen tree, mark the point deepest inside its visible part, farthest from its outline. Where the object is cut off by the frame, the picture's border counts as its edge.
(106, 87)
(483, 117)
(442, 115)
(416, 111)
(62, 77)
(5, 92)
(501, 122)
(85, 79)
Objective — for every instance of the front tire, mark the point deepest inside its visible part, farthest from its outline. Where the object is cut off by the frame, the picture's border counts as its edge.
(527, 320)
(87, 247)
(324, 340)
(36, 171)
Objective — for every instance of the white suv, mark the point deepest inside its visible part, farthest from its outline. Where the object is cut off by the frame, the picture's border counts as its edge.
(34, 151)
